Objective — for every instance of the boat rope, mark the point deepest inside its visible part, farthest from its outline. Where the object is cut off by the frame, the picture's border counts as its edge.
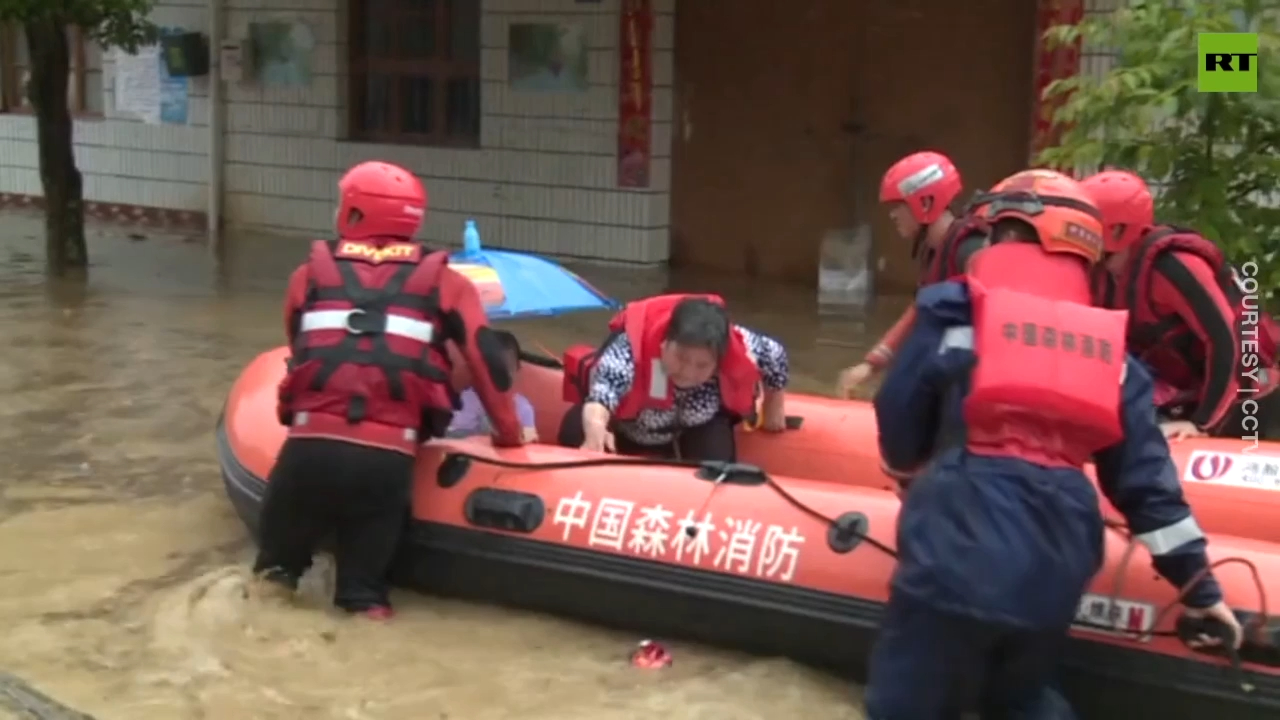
(721, 471)
(1214, 630)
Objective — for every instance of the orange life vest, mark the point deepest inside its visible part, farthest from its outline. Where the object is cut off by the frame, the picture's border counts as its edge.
(370, 342)
(645, 323)
(943, 263)
(1166, 343)
(1047, 384)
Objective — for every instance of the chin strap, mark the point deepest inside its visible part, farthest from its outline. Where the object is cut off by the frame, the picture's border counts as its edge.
(918, 243)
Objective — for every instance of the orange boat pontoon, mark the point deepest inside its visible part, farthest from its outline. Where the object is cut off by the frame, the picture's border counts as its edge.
(787, 553)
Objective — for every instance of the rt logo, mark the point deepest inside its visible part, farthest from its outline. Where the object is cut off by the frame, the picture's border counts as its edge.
(1228, 62)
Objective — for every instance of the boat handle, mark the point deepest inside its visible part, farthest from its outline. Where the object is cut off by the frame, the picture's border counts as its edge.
(508, 510)
(1261, 644)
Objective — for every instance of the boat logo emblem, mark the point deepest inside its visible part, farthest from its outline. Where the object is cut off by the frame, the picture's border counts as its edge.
(1207, 467)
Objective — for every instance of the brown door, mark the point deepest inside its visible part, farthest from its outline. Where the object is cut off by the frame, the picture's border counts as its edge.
(952, 77)
(787, 114)
(760, 163)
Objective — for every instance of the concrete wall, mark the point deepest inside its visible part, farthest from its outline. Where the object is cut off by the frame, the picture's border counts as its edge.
(123, 160)
(543, 180)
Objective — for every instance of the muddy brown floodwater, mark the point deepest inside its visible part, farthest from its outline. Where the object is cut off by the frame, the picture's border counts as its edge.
(122, 567)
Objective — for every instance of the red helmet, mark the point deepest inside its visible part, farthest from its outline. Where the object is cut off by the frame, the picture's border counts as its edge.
(927, 182)
(1126, 205)
(1057, 207)
(390, 200)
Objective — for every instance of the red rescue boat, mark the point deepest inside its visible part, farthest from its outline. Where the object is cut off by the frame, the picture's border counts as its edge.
(795, 563)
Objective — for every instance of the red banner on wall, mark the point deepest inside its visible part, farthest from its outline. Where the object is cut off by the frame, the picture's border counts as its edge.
(635, 94)
(1052, 63)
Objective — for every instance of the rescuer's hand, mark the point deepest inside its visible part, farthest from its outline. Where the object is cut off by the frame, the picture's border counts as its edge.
(1219, 612)
(853, 377)
(1176, 430)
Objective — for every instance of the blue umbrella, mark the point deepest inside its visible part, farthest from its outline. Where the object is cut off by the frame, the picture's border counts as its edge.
(515, 284)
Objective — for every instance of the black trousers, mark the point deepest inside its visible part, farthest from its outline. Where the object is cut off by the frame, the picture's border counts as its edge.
(1006, 672)
(320, 489)
(713, 440)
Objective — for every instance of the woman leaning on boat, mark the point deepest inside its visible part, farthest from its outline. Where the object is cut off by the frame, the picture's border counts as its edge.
(673, 379)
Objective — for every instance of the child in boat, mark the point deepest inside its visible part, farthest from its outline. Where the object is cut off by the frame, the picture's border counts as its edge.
(470, 419)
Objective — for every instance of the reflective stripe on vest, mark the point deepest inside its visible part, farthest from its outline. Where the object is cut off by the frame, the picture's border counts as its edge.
(959, 337)
(368, 322)
(658, 382)
(301, 419)
(399, 325)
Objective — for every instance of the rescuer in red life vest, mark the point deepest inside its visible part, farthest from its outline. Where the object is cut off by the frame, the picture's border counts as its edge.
(920, 189)
(367, 317)
(1009, 382)
(673, 379)
(1193, 321)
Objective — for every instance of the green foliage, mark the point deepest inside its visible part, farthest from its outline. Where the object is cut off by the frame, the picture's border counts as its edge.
(1213, 157)
(111, 23)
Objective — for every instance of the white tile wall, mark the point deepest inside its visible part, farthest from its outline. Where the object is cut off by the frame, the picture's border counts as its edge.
(122, 159)
(543, 180)
(545, 176)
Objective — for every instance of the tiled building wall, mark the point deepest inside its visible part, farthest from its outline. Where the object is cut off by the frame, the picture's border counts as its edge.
(123, 160)
(543, 180)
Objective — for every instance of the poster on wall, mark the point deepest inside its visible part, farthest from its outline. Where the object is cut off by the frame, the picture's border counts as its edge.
(1052, 63)
(137, 83)
(174, 92)
(144, 89)
(635, 93)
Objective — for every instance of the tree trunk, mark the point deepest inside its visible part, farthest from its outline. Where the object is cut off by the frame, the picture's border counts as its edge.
(63, 187)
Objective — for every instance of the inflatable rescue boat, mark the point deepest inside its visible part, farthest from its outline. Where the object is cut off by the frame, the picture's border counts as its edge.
(788, 552)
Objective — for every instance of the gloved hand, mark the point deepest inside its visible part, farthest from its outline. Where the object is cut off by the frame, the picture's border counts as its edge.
(1219, 613)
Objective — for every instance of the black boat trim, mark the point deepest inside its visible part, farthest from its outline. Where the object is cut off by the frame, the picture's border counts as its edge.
(522, 572)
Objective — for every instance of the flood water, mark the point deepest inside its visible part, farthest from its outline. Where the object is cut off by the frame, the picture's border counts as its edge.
(123, 587)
